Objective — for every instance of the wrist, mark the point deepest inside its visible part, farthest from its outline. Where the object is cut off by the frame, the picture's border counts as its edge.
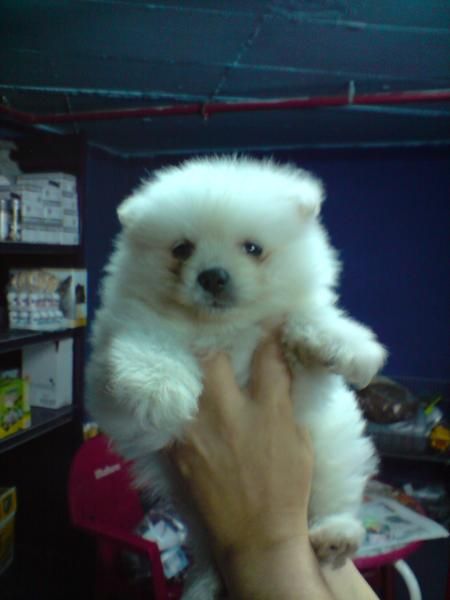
(268, 570)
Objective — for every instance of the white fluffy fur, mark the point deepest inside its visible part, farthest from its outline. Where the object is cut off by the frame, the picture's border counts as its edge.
(155, 321)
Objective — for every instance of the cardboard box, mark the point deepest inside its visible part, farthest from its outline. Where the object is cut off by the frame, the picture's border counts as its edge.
(8, 507)
(57, 193)
(14, 406)
(49, 369)
(65, 181)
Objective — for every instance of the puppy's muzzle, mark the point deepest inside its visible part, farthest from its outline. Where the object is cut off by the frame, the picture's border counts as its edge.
(214, 281)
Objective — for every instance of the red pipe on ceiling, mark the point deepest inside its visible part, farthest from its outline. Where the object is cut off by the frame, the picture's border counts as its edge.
(206, 109)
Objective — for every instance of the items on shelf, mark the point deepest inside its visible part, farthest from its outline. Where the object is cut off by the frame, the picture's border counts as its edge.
(90, 429)
(9, 169)
(440, 438)
(8, 504)
(47, 299)
(15, 412)
(49, 369)
(400, 422)
(39, 208)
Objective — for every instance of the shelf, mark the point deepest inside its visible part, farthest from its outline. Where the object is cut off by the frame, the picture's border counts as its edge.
(441, 459)
(14, 339)
(24, 248)
(43, 420)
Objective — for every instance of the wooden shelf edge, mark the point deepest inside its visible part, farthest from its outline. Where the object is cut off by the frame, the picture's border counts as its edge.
(424, 458)
(42, 421)
(18, 338)
(31, 248)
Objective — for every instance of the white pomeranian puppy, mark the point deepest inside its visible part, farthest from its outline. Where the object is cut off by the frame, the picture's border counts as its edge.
(210, 253)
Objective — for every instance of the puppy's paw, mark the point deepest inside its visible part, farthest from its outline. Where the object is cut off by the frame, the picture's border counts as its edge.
(360, 363)
(160, 392)
(345, 347)
(170, 401)
(336, 538)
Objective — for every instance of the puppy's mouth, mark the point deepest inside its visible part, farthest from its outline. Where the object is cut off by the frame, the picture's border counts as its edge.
(212, 304)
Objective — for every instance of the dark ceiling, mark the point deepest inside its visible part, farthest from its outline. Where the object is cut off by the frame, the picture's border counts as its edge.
(63, 56)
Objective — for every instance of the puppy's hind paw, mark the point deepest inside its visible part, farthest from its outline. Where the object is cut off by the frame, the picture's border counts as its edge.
(336, 538)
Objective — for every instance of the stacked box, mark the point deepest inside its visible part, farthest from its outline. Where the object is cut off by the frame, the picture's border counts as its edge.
(47, 299)
(49, 208)
(32, 211)
(49, 369)
(5, 210)
(71, 223)
(14, 406)
(8, 507)
(62, 209)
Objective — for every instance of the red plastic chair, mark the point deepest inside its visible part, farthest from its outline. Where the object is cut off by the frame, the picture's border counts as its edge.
(104, 504)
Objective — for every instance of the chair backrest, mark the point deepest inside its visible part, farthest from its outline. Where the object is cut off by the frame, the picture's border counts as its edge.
(101, 488)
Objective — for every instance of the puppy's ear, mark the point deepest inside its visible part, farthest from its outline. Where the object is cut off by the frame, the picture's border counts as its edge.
(123, 212)
(310, 194)
(130, 210)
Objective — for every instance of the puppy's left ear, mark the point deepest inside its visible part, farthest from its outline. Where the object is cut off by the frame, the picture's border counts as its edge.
(130, 210)
(310, 194)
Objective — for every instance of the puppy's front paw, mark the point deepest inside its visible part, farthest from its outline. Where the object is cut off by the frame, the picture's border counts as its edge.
(161, 393)
(336, 538)
(360, 362)
(170, 401)
(344, 346)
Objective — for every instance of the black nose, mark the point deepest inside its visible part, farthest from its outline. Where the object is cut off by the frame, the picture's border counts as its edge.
(214, 281)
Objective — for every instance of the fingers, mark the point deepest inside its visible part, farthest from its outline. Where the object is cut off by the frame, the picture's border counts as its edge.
(218, 374)
(270, 378)
(221, 397)
(219, 408)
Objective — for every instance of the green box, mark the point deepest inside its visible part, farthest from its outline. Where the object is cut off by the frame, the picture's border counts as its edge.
(14, 406)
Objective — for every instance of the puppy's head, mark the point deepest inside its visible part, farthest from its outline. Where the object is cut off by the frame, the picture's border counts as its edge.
(221, 238)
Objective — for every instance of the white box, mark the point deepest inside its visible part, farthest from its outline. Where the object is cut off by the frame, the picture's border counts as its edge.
(33, 231)
(70, 199)
(49, 367)
(64, 180)
(31, 200)
(58, 197)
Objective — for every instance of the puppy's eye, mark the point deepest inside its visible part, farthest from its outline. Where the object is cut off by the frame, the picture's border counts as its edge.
(183, 250)
(253, 249)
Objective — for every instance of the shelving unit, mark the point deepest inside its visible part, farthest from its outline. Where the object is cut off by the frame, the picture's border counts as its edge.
(43, 420)
(37, 152)
(37, 460)
(426, 457)
(13, 339)
(8, 248)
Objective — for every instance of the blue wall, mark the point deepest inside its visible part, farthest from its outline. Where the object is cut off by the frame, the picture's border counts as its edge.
(107, 182)
(388, 213)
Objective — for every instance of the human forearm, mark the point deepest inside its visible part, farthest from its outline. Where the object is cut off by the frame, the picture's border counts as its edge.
(287, 570)
(347, 583)
(290, 571)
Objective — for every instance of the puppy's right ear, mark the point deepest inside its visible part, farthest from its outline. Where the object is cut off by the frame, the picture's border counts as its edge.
(125, 212)
(130, 211)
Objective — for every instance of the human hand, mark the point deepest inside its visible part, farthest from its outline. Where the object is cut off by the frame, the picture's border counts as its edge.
(248, 467)
(246, 463)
